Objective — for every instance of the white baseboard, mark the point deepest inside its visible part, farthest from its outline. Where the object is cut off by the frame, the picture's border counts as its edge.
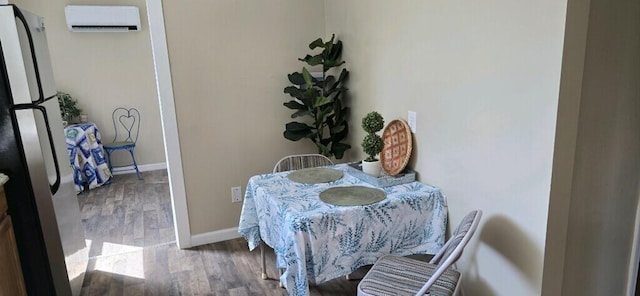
(142, 168)
(214, 236)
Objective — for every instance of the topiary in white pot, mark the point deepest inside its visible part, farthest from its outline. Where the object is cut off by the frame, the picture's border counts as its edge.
(372, 144)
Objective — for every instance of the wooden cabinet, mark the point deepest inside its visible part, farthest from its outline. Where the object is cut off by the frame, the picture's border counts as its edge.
(3, 199)
(11, 281)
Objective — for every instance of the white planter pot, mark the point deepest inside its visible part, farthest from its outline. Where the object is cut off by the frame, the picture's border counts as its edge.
(372, 168)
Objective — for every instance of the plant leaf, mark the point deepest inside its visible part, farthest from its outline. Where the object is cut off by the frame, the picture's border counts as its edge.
(329, 80)
(295, 105)
(334, 93)
(324, 150)
(314, 60)
(301, 113)
(308, 96)
(327, 48)
(316, 43)
(294, 92)
(321, 101)
(338, 149)
(324, 112)
(307, 76)
(296, 78)
(336, 51)
(341, 135)
(295, 126)
(306, 57)
(293, 136)
(337, 129)
(295, 131)
(330, 64)
(343, 75)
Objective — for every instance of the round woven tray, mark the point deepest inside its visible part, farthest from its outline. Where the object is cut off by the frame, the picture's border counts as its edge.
(315, 175)
(397, 147)
(352, 195)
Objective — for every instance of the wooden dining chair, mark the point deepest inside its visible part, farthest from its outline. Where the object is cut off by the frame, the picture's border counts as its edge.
(291, 163)
(126, 123)
(395, 275)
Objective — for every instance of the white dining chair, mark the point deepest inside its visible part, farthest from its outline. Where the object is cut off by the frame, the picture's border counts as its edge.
(290, 163)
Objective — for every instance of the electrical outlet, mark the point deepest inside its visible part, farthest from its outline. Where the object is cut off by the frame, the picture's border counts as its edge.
(411, 118)
(236, 194)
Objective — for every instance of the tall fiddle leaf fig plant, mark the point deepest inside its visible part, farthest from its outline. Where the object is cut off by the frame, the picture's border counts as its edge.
(318, 101)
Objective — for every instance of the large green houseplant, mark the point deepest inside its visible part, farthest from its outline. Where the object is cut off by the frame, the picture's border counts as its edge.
(318, 101)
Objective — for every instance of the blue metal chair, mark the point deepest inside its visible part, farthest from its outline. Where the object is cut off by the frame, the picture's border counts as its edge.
(126, 122)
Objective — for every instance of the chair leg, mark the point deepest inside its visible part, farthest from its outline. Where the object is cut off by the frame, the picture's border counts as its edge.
(262, 257)
(458, 289)
(135, 164)
(109, 160)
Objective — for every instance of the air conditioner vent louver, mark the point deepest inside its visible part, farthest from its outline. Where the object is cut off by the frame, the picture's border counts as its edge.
(93, 18)
(105, 28)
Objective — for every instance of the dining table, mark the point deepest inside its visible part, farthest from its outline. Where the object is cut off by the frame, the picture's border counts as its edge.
(316, 241)
(86, 155)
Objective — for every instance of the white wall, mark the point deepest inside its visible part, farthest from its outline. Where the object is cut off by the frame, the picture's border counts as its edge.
(229, 62)
(594, 195)
(483, 78)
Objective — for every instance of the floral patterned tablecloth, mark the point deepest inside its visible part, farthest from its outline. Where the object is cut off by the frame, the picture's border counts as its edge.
(87, 156)
(316, 241)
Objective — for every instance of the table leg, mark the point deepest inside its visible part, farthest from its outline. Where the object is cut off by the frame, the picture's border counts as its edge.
(264, 268)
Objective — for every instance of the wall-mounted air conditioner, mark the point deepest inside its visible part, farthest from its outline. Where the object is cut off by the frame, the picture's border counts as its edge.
(94, 18)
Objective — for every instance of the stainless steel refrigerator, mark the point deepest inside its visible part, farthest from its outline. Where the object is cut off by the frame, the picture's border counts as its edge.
(42, 200)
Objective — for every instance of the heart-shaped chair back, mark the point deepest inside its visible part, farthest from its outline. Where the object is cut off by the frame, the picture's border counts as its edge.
(126, 122)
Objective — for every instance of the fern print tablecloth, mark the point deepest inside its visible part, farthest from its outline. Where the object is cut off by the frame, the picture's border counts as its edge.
(315, 241)
(87, 156)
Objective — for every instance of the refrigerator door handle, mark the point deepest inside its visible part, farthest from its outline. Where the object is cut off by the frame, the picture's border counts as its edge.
(56, 185)
(23, 20)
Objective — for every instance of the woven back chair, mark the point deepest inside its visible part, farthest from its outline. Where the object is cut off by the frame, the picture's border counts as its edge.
(301, 161)
(291, 163)
(406, 276)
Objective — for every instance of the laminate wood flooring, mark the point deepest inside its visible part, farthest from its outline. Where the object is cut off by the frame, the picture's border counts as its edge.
(129, 225)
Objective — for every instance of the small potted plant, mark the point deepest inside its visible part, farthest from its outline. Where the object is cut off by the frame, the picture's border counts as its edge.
(69, 109)
(372, 144)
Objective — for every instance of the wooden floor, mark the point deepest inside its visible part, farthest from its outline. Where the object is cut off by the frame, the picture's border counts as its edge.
(133, 252)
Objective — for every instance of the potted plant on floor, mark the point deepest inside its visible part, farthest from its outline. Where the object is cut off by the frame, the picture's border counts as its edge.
(319, 99)
(372, 144)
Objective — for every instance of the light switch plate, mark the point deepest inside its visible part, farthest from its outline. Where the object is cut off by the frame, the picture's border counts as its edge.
(411, 120)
